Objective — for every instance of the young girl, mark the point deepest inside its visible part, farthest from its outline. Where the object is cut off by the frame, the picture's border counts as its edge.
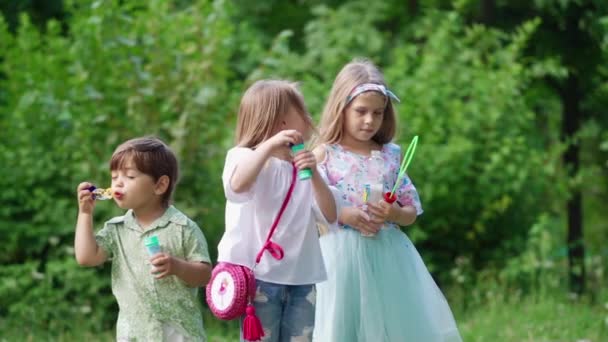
(157, 294)
(378, 288)
(257, 175)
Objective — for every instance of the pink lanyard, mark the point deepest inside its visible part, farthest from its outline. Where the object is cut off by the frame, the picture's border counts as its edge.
(273, 248)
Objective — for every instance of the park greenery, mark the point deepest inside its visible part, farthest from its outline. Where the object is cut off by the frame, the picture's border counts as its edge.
(508, 98)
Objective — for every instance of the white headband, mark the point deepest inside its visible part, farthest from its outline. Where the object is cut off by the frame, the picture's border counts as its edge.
(365, 87)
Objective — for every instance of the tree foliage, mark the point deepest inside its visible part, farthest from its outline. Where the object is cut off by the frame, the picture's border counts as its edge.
(481, 98)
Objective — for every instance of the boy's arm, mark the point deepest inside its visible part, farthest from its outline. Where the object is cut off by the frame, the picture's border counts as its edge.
(193, 273)
(195, 268)
(86, 249)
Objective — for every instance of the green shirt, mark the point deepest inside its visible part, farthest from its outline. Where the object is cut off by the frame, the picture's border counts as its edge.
(147, 305)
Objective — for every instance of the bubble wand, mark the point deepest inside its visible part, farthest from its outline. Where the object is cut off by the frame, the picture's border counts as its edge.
(100, 194)
(390, 197)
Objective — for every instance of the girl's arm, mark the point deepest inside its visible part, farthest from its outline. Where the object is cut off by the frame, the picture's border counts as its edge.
(403, 216)
(324, 197)
(86, 249)
(383, 211)
(358, 219)
(347, 214)
(248, 169)
(249, 166)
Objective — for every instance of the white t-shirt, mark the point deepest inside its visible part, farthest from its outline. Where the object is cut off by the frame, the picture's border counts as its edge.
(249, 217)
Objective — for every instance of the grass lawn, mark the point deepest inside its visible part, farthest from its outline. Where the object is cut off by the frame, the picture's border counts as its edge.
(533, 319)
(552, 319)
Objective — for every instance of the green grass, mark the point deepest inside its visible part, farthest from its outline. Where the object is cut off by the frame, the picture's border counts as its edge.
(23, 334)
(28, 336)
(535, 319)
(217, 331)
(553, 318)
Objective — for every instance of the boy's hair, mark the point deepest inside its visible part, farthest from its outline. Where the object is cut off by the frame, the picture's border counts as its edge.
(150, 156)
(263, 105)
(355, 73)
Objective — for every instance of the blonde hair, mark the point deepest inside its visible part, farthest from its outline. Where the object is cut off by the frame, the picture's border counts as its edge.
(263, 106)
(357, 72)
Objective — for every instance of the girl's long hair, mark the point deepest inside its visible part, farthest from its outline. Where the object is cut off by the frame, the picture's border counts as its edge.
(355, 73)
(263, 106)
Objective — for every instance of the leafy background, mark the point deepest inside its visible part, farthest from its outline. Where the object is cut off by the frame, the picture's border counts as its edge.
(509, 99)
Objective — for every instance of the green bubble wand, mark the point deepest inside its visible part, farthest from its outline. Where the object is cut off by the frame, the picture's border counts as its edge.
(390, 197)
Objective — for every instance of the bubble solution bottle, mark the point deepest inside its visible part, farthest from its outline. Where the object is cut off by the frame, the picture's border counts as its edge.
(373, 181)
(152, 246)
(303, 173)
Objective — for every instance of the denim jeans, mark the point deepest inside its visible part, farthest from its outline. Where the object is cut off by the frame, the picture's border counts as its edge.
(287, 312)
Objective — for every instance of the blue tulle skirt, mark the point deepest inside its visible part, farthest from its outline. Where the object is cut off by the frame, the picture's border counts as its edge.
(378, 289)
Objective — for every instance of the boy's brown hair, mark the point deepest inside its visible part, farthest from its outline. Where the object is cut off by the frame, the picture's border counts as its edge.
(151, 156)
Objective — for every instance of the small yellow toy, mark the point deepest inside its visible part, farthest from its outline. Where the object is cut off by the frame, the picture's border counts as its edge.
(101, 194)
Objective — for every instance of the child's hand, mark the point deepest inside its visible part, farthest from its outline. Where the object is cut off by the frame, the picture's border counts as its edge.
(86, 203)
(283, 139)
(305, 160)
(164, 265)
(358, 219)
(379, 212)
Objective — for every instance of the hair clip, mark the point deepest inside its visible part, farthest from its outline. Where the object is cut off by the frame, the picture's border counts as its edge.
(100, 194)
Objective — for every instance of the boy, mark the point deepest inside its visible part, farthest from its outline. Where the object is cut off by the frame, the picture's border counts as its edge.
(157, 295)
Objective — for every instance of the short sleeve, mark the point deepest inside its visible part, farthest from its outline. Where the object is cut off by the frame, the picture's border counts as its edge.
(106, 239)
(408, 195)
(342, 200)
(195, 244)
(234, 156)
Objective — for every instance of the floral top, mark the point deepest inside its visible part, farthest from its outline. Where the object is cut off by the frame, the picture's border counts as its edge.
(149, 306)
(349, 171)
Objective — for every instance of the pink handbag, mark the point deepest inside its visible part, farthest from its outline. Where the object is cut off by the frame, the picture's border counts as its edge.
(231, 289)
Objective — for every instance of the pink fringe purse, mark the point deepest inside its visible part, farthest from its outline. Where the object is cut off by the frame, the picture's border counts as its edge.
(231, 289)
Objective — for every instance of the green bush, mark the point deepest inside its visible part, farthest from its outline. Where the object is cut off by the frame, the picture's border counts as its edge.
(68, 98)
(480, 166)
(487, 168)
(57, 296)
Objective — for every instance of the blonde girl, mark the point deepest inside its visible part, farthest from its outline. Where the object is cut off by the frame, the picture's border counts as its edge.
(378, 288)
(257, 175)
